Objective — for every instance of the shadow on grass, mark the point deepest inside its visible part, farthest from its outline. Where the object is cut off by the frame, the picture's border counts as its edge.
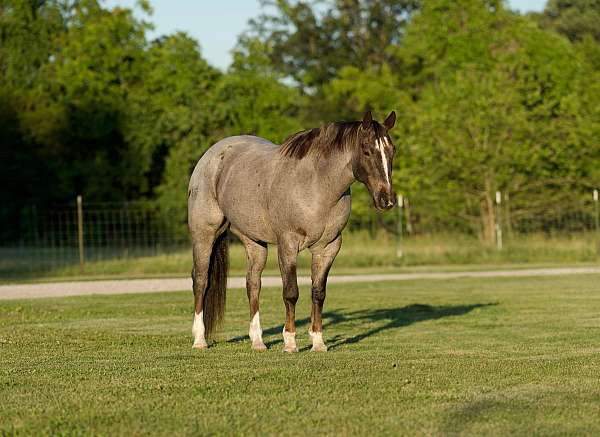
(384, 318)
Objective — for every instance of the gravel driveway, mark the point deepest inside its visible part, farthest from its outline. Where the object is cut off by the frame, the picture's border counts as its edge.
(119, 286)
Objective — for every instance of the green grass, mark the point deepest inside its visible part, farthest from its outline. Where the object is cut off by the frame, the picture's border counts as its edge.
(471, 356)
(359, 254)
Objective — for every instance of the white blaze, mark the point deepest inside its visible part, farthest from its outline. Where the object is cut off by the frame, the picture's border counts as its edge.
(381, 148)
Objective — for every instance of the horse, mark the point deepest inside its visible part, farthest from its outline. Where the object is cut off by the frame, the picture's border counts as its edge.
(297, 196)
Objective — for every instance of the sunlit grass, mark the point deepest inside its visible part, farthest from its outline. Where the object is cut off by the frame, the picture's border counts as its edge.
(495, 356)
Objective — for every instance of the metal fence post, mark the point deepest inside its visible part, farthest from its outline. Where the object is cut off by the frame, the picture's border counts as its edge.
(507, 220)
(373, 225)
(498, 220)
(80, 231)
(406, 206)
(399, 229)
(597, 219)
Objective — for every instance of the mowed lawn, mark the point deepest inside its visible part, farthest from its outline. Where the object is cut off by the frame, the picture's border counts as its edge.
(470, 356)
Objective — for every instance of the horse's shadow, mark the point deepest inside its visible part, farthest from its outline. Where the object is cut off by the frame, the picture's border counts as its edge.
(383, 318)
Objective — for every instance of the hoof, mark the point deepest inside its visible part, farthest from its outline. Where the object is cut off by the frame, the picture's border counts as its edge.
(319, 348)
(290, 349)
(201, 345)
(259, 347)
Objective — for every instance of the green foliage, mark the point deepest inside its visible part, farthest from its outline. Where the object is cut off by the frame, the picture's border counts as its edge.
(355, 89)
(312, 40)
(497, 115)
(71, 103)
(487, 102)
(250, 99)
(172, 116)
(486, 99)
(27, 36)
(251, 103)
(573, 18)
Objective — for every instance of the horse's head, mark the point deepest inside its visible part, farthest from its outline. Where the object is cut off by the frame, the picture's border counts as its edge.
(372, 162)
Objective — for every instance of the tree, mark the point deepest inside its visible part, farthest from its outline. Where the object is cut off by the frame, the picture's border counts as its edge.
(171, 107)
(573, 18)
(94, 108)
(496, 110)
(249, 99)
(311, 41)
(27, 39)
(376, 88)
(84, 95)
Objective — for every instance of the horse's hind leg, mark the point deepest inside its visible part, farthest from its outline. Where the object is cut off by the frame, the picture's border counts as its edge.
(322, 259)
(202, 248)
(256, 256)
(206, 222)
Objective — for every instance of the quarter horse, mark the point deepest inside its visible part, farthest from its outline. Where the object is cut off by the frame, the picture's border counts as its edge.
(297, 196)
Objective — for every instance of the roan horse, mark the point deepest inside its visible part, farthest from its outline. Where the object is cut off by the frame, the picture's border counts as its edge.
(297, 196)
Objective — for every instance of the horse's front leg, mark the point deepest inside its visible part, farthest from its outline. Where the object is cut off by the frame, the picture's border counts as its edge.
(287, 252)
(322, 259)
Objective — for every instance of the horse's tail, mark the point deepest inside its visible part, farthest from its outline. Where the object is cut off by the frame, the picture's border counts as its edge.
(214, 296)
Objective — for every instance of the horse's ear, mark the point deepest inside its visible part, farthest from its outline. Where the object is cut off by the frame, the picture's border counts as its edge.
(367, 119)
(390, 121)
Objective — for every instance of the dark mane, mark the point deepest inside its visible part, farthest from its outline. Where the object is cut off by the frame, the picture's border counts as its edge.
(324, 140)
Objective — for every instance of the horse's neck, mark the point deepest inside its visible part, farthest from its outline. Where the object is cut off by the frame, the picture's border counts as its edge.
(335, 174)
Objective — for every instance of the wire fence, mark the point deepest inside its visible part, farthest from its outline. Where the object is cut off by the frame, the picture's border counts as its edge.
(82, 233)
(77, 234)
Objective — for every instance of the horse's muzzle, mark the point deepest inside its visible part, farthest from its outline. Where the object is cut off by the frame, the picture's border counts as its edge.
(385, 200)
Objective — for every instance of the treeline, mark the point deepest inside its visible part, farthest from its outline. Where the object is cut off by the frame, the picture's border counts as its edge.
(488, 100)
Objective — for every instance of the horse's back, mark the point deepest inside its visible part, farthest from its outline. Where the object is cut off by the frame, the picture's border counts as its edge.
(233, 176)
(212, 163)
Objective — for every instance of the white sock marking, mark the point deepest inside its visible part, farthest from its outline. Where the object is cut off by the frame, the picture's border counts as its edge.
(289, 340)
(198, 329)
(255, 331)
(317, 339)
